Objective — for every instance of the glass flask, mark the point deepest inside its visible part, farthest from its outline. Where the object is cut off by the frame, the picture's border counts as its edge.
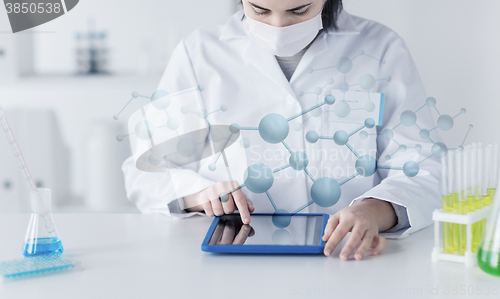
(488, 255)
(41, 237)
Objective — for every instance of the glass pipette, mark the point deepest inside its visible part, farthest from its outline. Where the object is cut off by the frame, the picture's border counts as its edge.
(49, 225)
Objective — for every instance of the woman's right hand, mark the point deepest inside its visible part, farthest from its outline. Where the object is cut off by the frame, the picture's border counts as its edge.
(208, 200)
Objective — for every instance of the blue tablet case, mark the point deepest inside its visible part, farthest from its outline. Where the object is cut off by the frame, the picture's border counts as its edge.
(287, 249)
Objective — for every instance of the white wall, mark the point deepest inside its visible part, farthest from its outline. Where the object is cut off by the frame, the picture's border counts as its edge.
(137, 30)
(456, 46)
(141, 33)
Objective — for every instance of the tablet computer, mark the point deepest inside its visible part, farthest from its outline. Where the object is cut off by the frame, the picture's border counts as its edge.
(267, 233)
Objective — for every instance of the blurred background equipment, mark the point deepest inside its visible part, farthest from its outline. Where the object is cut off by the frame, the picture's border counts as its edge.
(104, 157)
(38, 135)
(91, 50)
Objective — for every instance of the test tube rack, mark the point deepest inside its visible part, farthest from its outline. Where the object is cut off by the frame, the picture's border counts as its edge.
(469, 257)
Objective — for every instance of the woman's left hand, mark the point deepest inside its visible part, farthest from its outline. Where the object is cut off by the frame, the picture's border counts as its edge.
(364, 220)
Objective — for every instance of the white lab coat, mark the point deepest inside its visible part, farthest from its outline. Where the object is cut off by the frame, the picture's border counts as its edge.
(237, 73)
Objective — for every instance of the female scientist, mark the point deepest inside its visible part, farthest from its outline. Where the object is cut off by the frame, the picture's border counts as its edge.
(283, 57)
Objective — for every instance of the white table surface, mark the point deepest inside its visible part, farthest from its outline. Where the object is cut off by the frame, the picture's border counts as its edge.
(153, 256)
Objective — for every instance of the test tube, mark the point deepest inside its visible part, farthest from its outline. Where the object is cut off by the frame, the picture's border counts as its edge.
(489, 177)
(480, 174)
(494, 176)
(472, 175)
(447, 245)
(491, 171)
(460, 199)
(474, 195)
(485, 181)
(480, 191)
(453, 198)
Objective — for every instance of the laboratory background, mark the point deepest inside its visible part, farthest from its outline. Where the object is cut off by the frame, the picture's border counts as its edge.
(62, 82)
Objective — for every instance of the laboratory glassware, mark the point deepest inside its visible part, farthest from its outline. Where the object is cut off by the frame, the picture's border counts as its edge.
(42, 211)
(488, 255)
(38, 241)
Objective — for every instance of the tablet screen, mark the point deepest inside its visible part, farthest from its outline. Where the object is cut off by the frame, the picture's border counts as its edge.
(303, 230)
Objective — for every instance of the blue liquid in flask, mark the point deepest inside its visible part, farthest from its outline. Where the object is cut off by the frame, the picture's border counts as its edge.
(42, 246)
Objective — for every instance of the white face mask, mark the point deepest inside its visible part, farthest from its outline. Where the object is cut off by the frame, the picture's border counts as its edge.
(285, 41)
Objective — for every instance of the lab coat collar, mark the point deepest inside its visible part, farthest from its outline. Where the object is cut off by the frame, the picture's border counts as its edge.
(266, 63)
(345, 25)
(234, 28)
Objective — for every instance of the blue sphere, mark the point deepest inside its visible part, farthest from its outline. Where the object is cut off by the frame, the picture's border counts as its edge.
(234, 128)
(402, 148)
(431, 102)
(408, 118)
(342, 109)
(439, 150)
(318, 90)
(388, 134)
(223, 108)
(424, 133)
(369, 123)
(160, 99)
(281, 237)
(211, 167)
(445, 122)
(186, 147)
(274, 128)
(259, 178)
(325, 192)
(344, 87)
(312, 136)
(344, 65)
(297, 127)
(224, 197)
(245, 143)
(203, 114)
(367, 82)
(330, 99)
(366, 165)
(281, 221)
(144, 130)
(363, 134)
(418, 147)
(341, 137)
(298, 160)
(370, 107)
(154, 159)
(317, 112)
(410, 169)
(173, 123)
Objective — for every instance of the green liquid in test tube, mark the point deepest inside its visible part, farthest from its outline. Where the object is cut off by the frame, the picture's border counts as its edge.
(488, 255)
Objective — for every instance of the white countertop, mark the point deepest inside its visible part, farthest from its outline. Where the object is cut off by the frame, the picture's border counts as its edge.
(154, 256)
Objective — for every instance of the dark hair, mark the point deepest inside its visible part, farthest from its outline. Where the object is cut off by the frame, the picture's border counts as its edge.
(331, 11)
